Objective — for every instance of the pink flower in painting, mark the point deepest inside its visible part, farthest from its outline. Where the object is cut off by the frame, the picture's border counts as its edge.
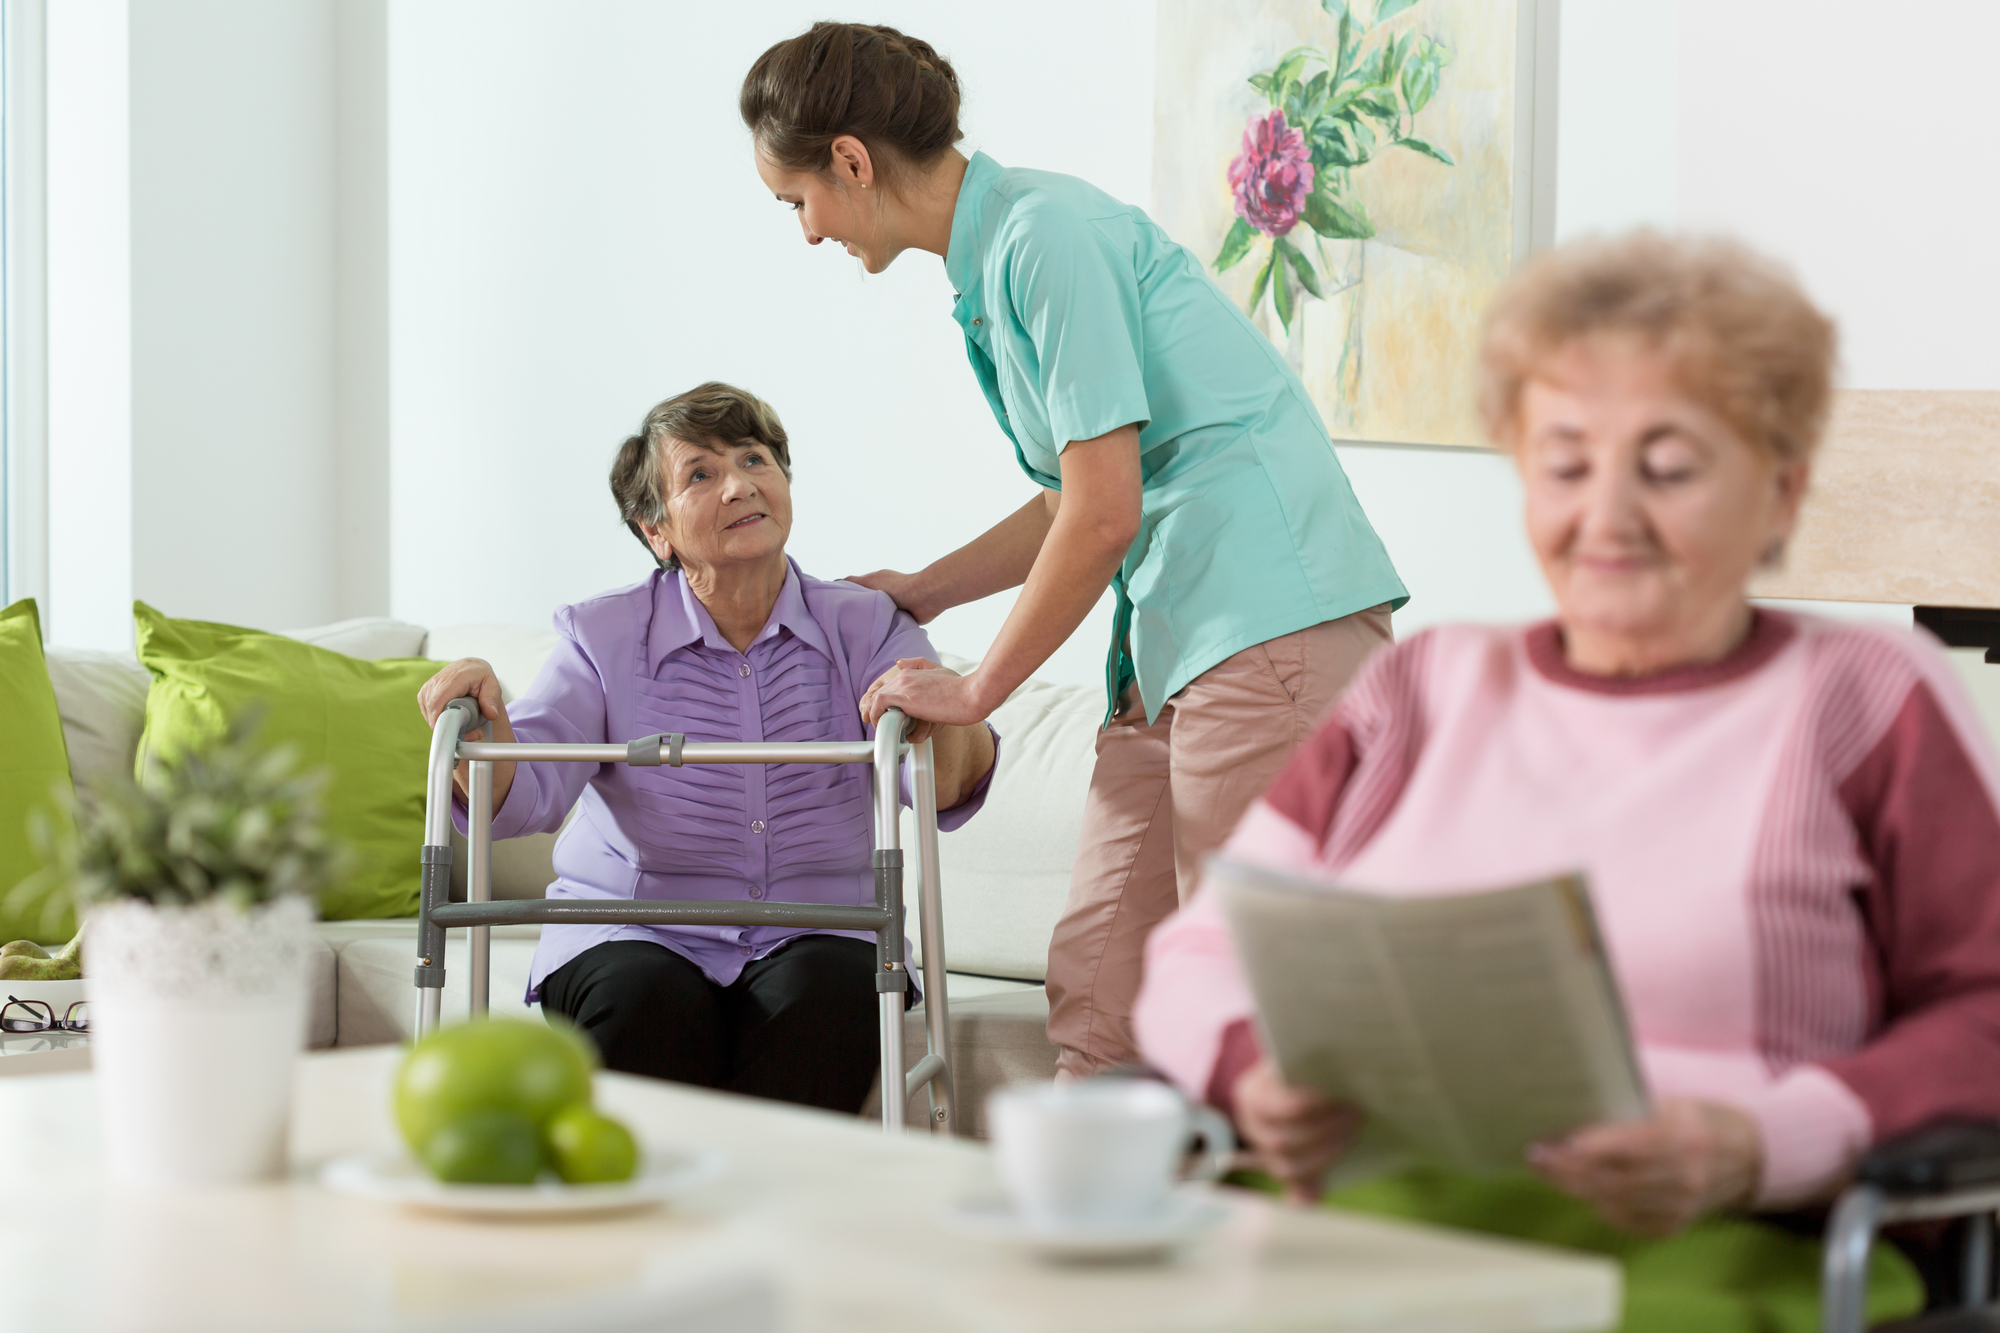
(1272, 176)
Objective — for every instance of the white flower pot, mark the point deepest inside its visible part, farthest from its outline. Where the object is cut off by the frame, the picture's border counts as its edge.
(197, 1015)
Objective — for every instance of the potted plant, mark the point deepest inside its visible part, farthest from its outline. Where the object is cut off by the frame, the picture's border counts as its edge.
(199, 887)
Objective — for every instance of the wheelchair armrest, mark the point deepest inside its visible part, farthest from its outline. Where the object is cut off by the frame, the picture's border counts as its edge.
(1939, 1158)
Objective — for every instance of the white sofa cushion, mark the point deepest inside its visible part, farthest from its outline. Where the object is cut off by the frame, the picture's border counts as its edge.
(515, 652)
(102, 699)
(371, 638)
(1006, 873)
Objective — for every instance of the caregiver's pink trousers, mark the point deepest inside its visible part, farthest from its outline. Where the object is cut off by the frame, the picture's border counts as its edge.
(1164, 796)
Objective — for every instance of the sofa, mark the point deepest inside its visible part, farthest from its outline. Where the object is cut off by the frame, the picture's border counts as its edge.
(1005, 874)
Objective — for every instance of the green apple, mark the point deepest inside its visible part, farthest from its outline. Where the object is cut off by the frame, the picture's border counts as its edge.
(589, 1147)
(485, 1148)
(490, 1064)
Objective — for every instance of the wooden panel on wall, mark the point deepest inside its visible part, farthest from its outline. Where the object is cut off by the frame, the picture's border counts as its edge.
(1904, 506)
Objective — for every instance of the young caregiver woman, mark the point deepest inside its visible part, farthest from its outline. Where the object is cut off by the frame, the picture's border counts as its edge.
(1180, 459)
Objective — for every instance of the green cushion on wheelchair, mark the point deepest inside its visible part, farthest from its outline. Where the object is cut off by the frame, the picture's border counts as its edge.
(358, 719)
(34, 769)
(1721, 1275)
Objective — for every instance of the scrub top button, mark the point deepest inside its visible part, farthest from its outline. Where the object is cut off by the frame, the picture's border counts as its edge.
(975, 321)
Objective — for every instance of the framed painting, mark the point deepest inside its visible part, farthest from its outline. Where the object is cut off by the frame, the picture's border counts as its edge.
(1361, 176)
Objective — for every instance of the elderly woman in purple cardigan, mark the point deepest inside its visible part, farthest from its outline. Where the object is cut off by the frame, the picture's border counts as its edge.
(727, 641)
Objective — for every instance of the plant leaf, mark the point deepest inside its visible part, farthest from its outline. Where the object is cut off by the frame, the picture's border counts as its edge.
(1308, 276)
(1281, 293)
(1420, 80)
(1287, 72)
(1261, 82)
(1262, 280)
(1235, 245)
(1388, 9)
(1380, 104)
(1334, 219)
(1418, 145)
(1337, 8)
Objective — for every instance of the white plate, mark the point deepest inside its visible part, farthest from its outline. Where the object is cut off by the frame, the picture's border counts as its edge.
(1191, 1211)
(392, 1176)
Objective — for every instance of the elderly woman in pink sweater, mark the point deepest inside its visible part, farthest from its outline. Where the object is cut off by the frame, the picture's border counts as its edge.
(1791, 826)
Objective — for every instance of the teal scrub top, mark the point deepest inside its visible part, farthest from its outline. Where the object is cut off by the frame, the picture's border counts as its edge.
(1081, 316)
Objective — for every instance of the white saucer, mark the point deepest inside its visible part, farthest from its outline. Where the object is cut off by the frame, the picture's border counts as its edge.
(1191, 1211)
(390, 1175)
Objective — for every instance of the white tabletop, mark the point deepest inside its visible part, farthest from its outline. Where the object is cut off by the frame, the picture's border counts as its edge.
(820, 1225)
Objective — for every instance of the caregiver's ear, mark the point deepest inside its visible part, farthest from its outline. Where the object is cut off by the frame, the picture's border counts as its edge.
(850, 161)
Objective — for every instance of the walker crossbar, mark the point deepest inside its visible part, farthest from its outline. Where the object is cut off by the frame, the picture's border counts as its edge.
(436, 913)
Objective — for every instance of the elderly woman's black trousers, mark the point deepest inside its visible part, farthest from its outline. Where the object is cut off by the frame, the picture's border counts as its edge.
(799, 1025)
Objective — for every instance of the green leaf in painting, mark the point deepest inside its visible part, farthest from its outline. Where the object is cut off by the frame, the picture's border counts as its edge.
(1281, 294)
(1388, 9)
(1427, 150)
(1261, 281)
(1261, 82)
(1337, 8)
(1235, 245)
(1380, 104)
(1333, 219)
(1308, 276)
(1287, 72)
(1420, 81)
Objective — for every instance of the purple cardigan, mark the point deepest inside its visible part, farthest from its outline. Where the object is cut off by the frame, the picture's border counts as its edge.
(648, 659)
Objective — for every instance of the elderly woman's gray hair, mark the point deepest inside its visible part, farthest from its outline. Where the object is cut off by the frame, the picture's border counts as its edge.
(711, 416)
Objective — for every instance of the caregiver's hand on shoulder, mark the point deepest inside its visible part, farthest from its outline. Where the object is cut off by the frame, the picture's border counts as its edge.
(1654, 1176)
(902, 590)
(927, 693)
(1298, 1134)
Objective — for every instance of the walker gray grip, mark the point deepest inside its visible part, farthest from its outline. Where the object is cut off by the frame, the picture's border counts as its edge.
(653, 751)
(435, 892)
(469, 706)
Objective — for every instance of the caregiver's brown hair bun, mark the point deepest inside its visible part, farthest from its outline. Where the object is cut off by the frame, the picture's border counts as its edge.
(894, 93)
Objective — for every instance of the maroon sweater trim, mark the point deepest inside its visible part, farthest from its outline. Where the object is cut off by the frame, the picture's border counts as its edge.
(1768, 634)
(1240, 1050)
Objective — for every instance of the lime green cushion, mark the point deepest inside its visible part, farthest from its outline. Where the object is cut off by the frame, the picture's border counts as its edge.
(34, 766)
(357, 718)
(1721, 1275)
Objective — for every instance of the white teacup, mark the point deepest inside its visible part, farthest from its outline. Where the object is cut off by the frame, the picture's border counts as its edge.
(1099, 1152)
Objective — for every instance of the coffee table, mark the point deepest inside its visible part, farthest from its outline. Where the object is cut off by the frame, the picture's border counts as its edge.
(820, 1225)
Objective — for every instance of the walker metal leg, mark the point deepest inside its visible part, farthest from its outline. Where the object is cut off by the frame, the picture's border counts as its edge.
(479, 878)
(930, 929)
(1977, 1279)
(892, 979)
(434, 889)
(1844, 1266)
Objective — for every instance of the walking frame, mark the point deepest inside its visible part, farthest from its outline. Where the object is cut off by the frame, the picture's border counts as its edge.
(436, 913)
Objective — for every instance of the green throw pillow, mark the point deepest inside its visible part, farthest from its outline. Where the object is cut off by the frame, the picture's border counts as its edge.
(358, 719)
(34, 766)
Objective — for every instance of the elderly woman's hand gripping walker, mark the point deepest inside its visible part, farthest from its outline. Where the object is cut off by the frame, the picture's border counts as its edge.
(728, 641)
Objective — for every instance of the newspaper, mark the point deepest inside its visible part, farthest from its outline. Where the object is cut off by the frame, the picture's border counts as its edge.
(1468, 1026)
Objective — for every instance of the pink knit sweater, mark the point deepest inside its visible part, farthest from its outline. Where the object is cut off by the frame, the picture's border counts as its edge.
(1795, 856)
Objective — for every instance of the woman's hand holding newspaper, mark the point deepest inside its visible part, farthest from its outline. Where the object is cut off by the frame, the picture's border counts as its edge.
(1298, 1134)
(1654, 1176)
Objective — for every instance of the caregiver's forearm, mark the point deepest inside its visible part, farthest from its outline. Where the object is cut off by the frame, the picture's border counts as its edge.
(1087, 541)
(994, 561)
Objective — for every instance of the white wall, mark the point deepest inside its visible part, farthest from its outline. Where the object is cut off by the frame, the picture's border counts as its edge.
(233, 391)
(89, 326)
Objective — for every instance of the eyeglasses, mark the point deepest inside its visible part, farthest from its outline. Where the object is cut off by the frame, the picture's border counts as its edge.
(37, 1016)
